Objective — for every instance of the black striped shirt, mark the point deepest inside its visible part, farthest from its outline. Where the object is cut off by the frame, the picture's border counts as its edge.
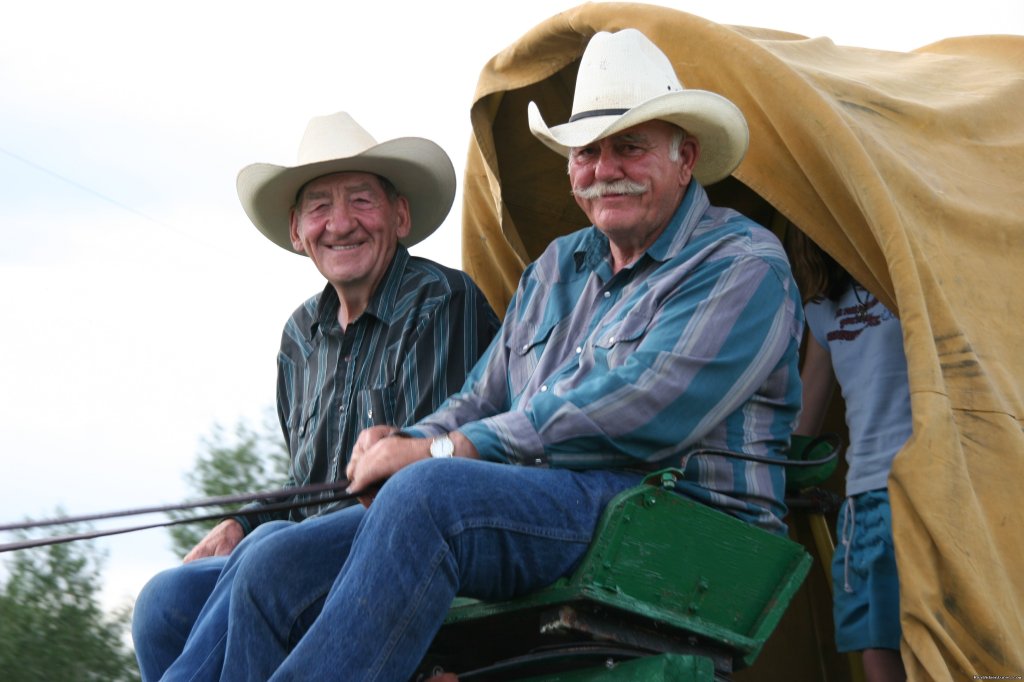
(423, 330)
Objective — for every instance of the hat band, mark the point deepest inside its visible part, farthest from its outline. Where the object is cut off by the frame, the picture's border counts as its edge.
(596, 112)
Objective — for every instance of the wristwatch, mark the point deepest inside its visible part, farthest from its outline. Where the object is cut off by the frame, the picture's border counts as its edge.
(442, 446)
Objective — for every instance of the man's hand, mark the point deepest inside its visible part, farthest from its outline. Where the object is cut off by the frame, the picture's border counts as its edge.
(369, 437)
(218, 542)
(375, 463)
(366, 440)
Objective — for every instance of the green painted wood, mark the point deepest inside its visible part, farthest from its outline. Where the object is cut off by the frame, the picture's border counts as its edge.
(682, 564)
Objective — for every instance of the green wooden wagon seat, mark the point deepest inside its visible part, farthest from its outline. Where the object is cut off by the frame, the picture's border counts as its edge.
(664, 576)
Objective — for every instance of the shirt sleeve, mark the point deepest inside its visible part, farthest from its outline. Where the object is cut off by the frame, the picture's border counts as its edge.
(663, 376)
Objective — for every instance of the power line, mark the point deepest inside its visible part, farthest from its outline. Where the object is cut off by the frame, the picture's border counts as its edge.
(97, 194)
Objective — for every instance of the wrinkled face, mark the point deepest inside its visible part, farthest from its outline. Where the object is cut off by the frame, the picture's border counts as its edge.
(347, 224)
(629, 184)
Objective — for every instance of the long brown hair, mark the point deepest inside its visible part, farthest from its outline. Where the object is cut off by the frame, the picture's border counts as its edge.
(817, 274)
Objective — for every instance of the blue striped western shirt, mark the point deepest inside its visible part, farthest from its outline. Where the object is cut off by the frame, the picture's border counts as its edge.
(423, 330)
(693, 346)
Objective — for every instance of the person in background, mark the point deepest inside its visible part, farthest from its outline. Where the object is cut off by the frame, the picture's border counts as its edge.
(386, 341)
(855, 342)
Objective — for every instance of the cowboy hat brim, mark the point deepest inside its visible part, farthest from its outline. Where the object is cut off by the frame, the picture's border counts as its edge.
(418, 168)
(715, 121)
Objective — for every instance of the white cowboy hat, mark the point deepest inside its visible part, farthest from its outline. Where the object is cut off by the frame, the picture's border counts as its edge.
(624, 80)
(418, 168)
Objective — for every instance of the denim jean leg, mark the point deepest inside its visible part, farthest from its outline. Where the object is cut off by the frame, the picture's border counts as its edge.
(279, 588)
(166, 609)
(203, 654)
(440, 528)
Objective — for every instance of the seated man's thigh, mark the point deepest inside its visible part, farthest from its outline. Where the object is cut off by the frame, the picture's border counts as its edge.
(510, 529)
(327, 537)
(291, 571)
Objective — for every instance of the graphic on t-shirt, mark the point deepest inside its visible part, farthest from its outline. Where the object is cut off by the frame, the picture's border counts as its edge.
(852, 320)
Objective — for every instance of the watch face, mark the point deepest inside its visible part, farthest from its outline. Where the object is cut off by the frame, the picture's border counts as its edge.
(442, 446)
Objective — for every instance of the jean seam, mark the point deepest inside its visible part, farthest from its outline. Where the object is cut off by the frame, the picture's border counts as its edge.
(410, 610)
(488, 524)
(202, 666)
(294, 615)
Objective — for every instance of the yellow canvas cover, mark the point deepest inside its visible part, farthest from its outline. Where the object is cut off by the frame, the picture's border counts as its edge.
(908, 168)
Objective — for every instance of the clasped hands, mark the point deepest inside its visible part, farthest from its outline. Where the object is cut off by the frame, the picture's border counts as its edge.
(379, 453)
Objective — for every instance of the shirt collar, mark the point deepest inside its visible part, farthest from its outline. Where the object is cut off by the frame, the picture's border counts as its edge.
(594, 251)
(381, 305)
(681, 226)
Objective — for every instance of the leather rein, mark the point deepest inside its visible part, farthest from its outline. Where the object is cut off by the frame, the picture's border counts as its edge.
(336, 493)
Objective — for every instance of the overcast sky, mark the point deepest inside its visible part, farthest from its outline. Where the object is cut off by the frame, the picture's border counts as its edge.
(139, 306)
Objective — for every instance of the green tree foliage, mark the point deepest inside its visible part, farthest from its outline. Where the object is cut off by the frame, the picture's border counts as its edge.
(52, 626)
(248, 460)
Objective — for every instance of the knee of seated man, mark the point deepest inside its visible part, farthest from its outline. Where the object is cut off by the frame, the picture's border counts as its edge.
(263, 546)
(430, 476)
(433, 475)
(173, 598)
(431, 486)
(261, 532)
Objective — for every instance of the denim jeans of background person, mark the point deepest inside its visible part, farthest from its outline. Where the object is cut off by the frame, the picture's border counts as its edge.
(667, 326)
(386, 341)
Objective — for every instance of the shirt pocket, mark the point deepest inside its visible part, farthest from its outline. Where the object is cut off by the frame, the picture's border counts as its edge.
(530, 338)
(302, 432)
(306, 419)
(376, 406)
(526, 346)
(619, 340)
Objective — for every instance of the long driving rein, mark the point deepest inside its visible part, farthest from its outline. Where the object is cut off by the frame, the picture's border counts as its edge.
(336, 492)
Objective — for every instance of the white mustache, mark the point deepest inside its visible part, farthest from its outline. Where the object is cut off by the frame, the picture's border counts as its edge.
(598, 189)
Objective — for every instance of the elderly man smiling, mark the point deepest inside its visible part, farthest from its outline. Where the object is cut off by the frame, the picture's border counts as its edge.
(385, 342)
(667, 326)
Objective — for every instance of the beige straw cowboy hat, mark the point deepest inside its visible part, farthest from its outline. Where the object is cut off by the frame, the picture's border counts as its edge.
(418, 168)
(624, 80)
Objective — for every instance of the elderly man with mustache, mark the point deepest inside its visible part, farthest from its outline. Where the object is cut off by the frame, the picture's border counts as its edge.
(667, 326)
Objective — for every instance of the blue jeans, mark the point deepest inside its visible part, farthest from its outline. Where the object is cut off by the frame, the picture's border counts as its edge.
(437, 528)
(165, 611)
(866, 605)
(180, 623)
